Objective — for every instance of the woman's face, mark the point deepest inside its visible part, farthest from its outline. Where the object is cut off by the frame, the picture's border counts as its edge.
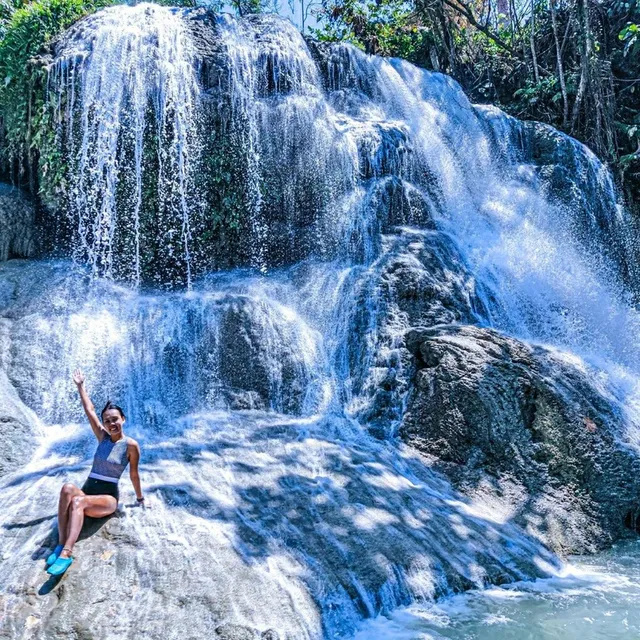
(112, 421)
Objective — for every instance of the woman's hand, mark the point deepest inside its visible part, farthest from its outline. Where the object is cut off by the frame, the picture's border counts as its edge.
(78, 377)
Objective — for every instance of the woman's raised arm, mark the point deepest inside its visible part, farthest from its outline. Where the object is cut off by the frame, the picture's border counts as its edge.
(87, 405)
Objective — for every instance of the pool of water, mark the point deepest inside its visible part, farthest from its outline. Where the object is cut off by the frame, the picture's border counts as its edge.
(595, 597)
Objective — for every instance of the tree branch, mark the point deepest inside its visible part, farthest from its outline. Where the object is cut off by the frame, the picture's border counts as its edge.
(460, 7)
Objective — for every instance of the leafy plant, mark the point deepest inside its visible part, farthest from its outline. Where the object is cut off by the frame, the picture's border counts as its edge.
(630, 35)
(385, 28)
(25, 120)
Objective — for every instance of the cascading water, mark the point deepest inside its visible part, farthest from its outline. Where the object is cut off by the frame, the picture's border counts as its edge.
(133, 82)
(374, 197)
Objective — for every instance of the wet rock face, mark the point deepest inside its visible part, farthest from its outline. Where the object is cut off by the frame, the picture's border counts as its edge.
(257, 547)
(231, 351)
(280, 163)
(211, 53)
(421, 280)
(511, 423)
(17, 217)
(17, 426)
(563, 167)
(257, 360)
(570, 175)
(17, 423)
(575, 183)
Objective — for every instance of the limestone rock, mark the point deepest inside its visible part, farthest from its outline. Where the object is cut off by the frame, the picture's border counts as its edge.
(421, 280)
(17, 428)
(517, 424)
(17, 217)
(242, 352)
(257, 358)
(239, 632)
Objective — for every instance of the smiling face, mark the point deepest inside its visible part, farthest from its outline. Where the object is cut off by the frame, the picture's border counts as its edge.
(112, 420)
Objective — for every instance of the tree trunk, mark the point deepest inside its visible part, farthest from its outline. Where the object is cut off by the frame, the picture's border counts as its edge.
(563, 88)
(447, 39)
(532, 43)
(585, 37)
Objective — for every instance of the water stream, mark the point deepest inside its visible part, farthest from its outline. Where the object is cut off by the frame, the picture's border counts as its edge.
(595, 597)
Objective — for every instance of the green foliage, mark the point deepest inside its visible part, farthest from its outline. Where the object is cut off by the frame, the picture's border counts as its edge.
(28, 131)
(245, 7)
(532, 93)
(7, 9)
(222, 181)
(630, 35)
(385, 27)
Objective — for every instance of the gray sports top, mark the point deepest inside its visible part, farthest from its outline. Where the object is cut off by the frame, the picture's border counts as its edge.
(110, 460)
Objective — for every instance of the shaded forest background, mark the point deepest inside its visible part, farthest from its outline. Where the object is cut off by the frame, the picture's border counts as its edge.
(574, 64)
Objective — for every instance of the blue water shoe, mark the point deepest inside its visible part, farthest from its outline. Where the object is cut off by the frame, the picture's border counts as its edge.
(54, 556)
(59, 566)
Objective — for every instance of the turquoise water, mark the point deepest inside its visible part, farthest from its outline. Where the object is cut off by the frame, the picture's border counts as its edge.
(595, 598)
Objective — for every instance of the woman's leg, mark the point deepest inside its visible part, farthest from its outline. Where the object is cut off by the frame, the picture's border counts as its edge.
(92, 506)
(67, 493)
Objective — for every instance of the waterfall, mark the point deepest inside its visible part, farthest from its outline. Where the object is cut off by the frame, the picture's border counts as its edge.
(306, 204)
(132, 81)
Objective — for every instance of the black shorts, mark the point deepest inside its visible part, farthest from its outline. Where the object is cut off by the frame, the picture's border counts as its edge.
(95, 487)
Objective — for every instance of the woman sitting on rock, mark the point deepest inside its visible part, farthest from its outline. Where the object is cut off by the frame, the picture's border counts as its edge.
(99, 494)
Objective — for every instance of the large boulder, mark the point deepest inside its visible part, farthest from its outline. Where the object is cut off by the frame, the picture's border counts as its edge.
(264, 360)
(526, 430)
(421, 279)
